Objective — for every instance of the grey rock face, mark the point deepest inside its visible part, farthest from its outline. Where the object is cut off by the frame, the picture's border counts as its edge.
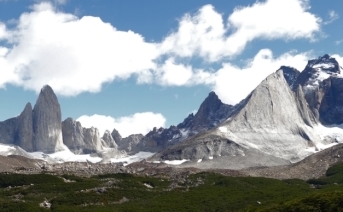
(272, 120)
(72, 132)
(47, 125)
(316, 81)
(81, 140)
(211, 113)
(116, 136)
(331, 107)
(108, 140)
(132, 144)
(24, 134)
(8, 130)
(92, 140)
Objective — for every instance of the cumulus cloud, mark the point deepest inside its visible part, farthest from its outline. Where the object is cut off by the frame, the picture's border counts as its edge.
(134, 124)
(75, 55)
(339, 59)
(205, 34)
(232, 83)
(72, 54)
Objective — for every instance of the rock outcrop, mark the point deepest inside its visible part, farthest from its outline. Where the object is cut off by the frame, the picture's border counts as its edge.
(47, 127)
(24, 135)
(272, 121)
(8, 130)
(73, 138)
(82, 140)
(116, 136)
(108, 141)
(132, 144)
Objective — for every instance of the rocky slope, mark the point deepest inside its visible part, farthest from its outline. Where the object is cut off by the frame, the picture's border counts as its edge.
(272, 121)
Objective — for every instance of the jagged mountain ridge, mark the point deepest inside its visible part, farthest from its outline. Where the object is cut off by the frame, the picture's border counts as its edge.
(273, 120)
(211, 112)
(210, 119)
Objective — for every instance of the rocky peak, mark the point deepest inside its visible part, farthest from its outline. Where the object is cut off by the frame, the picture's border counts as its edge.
(211, 112)
(116, 136)
(316, 81)
(108, 140)
(47, 125)
(24, 135)
(317, 70)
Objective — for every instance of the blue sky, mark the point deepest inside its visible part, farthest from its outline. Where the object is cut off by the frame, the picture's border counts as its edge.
(139, 64)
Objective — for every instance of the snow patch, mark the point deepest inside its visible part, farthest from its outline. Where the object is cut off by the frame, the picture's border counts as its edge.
(223, 129)
(184, 133)
(175, 162)
(64, 156)
(211, 157)
(68, 156)
(199, 161)
(5, 150)
(324, 65)
(133, 158)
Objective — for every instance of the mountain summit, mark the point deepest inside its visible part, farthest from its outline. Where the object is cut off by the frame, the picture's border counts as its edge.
(47, 127)
(273, 125)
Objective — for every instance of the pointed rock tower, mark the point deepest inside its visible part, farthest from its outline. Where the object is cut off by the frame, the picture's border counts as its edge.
(47, 125)
(24, 135)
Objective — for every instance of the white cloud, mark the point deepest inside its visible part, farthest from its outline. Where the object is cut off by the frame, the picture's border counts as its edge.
(338, 42)
(233, 83)
(205, 35)
(56, 2)
(72, 54)
(3, 31)
(75, 55)
(339, 60)
(332, 17)
(134, 124)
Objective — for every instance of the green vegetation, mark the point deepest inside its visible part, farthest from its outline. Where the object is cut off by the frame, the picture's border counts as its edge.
(198, 192)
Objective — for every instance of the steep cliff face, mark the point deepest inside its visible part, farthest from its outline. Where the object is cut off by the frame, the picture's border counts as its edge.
(320, 82)
(47, 127)
(24, 135)
(73, 138)
(273, 121)
(82, 140)
(108, 141)
(8, 130)
(331, 106)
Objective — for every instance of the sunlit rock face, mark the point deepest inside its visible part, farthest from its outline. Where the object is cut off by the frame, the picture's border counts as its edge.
(82, 140)
(47, 127)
